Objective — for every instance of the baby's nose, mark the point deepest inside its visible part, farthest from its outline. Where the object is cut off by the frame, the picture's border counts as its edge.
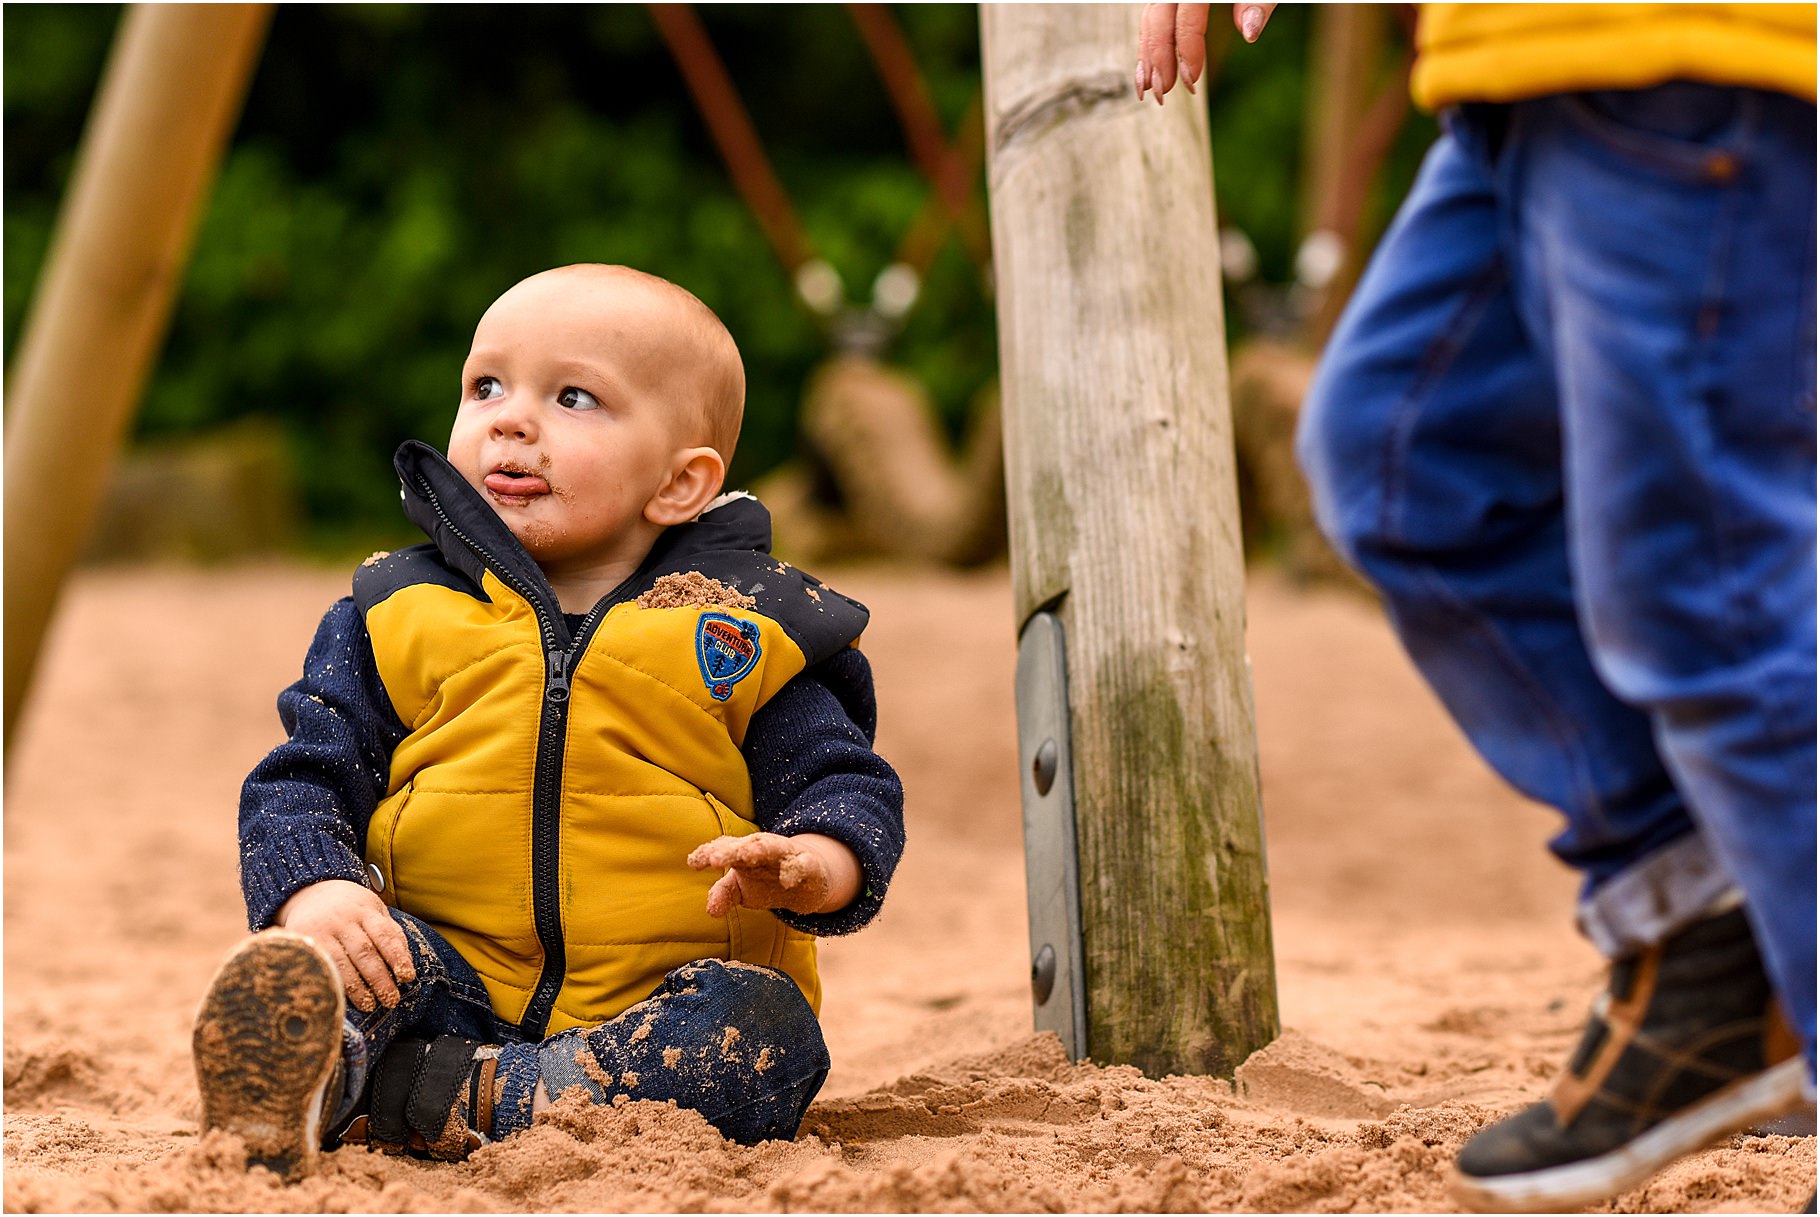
(512, 424)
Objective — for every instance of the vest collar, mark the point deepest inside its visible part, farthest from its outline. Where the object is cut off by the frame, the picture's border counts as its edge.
(472, 538)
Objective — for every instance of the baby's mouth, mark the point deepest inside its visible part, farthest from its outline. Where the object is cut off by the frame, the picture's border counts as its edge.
(516, 485)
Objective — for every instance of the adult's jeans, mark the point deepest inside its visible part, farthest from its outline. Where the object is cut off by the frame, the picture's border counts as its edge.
(738, 1043)
(1566, 425)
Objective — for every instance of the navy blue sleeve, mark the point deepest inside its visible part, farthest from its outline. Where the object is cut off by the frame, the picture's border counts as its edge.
(813, 769)
(305, 807)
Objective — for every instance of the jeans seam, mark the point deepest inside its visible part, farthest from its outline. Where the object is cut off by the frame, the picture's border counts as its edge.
(1670, 155)
(1440, 355)
(1724, 531)
(768, 1097)
(1585, 798)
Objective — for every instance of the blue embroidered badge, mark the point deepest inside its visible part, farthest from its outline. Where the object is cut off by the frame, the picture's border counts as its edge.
(727, 649)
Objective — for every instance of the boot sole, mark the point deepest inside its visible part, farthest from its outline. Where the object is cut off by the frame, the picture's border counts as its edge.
(1774, 1092)
(266, 1043)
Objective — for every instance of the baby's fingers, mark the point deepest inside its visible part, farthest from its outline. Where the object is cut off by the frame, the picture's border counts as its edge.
(392, 945)
(724, 896)
(371, 966)
(358, 993)
(713, 853)
(759, 849)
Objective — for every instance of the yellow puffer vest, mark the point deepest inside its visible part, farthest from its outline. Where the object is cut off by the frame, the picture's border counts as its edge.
(1504, 52)
(539, 811)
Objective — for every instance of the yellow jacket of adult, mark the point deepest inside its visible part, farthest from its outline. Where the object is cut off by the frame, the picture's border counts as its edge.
(540, 808)
(1505, 52)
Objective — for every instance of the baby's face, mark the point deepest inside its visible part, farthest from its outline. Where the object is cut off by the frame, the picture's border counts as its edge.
(564, 427)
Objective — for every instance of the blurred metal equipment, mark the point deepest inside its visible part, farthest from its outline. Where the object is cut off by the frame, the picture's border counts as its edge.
(1052, 880)
(952, 203)
(1125, 527)
(167, 102)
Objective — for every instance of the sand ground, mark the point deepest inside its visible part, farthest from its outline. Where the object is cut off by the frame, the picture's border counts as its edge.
(1429, 978)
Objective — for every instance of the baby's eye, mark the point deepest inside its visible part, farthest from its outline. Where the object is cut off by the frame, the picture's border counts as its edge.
(485, 388)
(577, 399)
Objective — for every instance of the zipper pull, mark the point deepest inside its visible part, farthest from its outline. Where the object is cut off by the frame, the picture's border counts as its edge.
(556, 688)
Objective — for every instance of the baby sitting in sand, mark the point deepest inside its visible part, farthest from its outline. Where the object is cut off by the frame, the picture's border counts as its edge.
(569, 790)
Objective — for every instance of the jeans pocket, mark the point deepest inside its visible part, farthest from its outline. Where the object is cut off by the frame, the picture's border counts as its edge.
(438, 962)
(1685, 130)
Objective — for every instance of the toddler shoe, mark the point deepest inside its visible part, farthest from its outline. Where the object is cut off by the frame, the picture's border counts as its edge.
(1687, 1046)
(429, 1098)
(267, 1046)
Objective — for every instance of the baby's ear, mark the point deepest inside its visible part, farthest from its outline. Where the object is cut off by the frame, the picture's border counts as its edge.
(695, 478)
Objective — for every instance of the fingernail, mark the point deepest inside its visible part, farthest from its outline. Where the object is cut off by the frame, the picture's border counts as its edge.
(1157, 93)
(1251, 23)
(1137, 78)
(1181, 68)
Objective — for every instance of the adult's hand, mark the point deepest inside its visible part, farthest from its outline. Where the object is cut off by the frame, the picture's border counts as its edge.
(1172, 43)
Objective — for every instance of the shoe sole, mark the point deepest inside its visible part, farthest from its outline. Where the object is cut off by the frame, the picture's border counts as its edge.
(266, 1043)
(1774, 1092)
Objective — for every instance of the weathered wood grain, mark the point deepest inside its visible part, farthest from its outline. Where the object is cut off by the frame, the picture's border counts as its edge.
(1125, 516)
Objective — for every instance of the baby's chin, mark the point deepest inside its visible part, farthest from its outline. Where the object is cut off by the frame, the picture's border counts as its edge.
(540, 538)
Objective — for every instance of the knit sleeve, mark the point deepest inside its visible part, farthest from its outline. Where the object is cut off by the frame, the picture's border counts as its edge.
(304, 809)
(813, 769)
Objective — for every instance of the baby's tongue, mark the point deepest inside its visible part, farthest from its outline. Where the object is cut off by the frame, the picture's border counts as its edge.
(506, 483)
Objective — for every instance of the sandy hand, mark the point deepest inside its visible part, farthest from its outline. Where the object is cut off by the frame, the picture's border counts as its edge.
(356, 929)
(809, 873)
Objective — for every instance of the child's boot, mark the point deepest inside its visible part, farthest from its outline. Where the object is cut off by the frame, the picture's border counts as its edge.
(1687, 1045)
(429, 1098)
(267, 1046)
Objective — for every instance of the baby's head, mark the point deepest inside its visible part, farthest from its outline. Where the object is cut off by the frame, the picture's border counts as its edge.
(599, 406)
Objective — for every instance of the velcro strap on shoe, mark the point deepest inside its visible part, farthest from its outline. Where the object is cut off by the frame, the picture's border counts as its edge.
(393, 1081)
(1622, 1016)
(480, 1101)
(1780, 1043)
(440, 1079)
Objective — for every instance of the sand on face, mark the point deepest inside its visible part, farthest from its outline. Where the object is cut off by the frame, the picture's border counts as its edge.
(1429, 978)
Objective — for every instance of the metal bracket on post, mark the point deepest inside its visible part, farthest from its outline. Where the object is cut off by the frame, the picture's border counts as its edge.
(1051, 863)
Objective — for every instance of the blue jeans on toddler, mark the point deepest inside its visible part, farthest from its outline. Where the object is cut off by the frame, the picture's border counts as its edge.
(1566, 426)
(753, 1084)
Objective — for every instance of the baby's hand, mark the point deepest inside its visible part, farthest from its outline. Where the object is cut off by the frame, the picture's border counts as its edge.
(354, 927)
(808, 873)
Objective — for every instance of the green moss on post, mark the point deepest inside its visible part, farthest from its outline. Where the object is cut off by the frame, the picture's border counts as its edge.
(1124, 509)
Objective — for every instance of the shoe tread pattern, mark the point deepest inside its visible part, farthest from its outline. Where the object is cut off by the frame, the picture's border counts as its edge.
(266, 1039)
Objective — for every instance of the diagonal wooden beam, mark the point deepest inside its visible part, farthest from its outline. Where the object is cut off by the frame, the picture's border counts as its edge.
(168, 100)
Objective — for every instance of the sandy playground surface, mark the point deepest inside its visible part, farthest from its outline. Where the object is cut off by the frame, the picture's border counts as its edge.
(1429, 979)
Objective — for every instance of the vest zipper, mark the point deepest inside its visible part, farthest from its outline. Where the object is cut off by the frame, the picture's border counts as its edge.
(546, 784)
(546, 828)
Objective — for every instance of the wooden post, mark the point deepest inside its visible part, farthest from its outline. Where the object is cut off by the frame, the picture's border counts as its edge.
(162, 115)
(1124, 525)
(1355, 109)
(1344, 51)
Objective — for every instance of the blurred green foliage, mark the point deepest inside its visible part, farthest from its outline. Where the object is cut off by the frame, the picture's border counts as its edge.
(398, 166)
